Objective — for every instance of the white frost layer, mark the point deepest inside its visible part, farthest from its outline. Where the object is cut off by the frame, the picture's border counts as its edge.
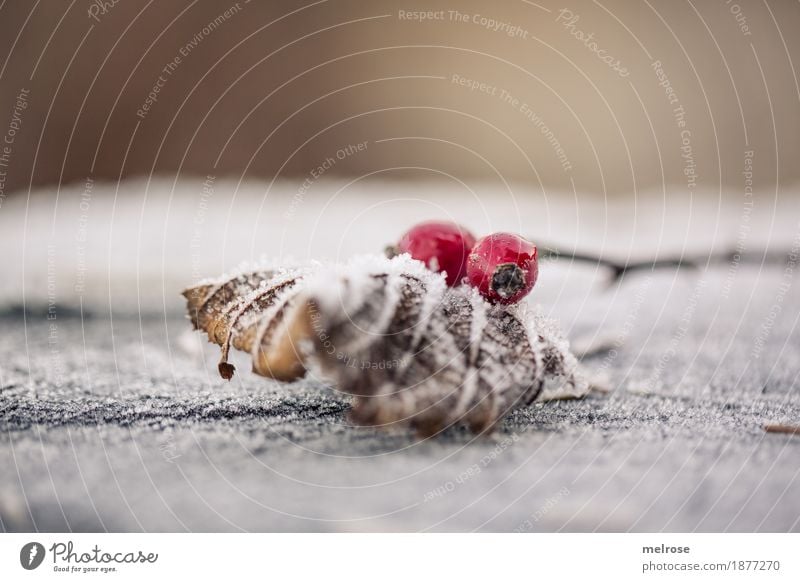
(136, 244)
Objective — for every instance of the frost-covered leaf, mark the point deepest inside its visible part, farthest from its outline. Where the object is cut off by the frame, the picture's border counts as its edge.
(390, 333)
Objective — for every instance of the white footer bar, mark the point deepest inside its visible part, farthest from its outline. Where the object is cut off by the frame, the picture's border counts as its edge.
(390, 557)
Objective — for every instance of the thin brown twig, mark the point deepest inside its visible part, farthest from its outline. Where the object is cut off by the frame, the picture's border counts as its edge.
(782, 429)
(619, 269)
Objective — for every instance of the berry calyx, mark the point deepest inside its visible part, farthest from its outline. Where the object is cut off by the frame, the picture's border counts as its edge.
(503, 267)
(442, 246)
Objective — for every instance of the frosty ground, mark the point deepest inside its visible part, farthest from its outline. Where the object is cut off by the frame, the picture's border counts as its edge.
(118, 421)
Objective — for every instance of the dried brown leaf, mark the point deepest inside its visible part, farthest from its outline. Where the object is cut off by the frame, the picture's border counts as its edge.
(391, 334)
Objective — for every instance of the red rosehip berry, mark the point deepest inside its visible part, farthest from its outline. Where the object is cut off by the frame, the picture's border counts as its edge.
(503, 267)
(442, 246)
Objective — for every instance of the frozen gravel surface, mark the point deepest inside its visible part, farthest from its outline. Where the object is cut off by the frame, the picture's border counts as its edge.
(122, 424)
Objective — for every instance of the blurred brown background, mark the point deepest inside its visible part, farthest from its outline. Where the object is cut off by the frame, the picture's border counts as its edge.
(266, 89)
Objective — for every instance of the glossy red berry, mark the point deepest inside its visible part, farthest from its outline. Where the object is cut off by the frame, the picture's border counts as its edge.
(503, 267)
(442, 246)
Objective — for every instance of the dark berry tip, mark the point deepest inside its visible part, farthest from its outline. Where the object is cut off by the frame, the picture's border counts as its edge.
(508, 280)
